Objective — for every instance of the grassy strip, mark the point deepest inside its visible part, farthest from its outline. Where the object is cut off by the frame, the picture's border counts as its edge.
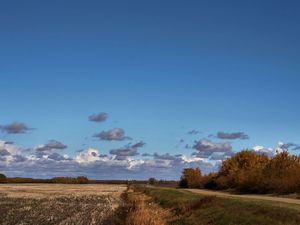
(134, 209)
(194, 209)
(143, 213)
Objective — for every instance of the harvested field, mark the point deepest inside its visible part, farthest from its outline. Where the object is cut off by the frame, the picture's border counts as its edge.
(58, 203)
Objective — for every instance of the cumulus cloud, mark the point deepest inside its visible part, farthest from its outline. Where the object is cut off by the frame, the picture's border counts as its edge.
(10, 153)
(122, 164)
(89, 155)
(115, 134)
(122, 154)
(4, 152)
(99, 117)
(211, 150)
(232, 136)
(15, 128)
(42, 155)
(57, 157)
(168, 156)
(281, 146)
(52, 145)
(10, 147)
(206, 147)
(129, 150)
(168, 160)
(19, 158)
(217, 156)
(264, 150)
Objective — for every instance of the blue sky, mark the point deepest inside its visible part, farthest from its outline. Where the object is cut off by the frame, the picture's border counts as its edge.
(159, 69)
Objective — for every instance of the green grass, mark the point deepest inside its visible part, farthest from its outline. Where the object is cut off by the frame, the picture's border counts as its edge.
(194, 209)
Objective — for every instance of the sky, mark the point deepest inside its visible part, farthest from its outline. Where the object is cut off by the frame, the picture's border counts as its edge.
(136, 89)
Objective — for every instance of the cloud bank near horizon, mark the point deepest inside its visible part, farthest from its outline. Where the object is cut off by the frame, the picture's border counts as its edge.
(123, 163)
(129, 161)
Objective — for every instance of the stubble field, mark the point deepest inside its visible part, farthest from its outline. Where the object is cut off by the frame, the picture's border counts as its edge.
(59, 204)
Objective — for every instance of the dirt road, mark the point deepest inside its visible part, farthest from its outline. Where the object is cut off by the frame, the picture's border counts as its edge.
(251, 197)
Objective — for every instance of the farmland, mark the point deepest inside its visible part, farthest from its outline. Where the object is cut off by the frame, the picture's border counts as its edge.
(75, 204)
(58, 203)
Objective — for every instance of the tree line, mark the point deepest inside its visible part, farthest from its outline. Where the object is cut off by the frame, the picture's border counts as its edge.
(249, 172)
(55, 180)
(84, 180)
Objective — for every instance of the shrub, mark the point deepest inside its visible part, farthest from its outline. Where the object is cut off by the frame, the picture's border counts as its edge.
(209, 181)
(152, 181)
(82, 180)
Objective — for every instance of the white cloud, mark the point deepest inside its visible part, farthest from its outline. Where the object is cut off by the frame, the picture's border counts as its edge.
(88, 156)
(264, 150)
(10, 147)
(281, 146)
(96, 166)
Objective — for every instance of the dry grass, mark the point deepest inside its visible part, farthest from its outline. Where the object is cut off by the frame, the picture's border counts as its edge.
(142, 212)
(58, 204)
(56, 190)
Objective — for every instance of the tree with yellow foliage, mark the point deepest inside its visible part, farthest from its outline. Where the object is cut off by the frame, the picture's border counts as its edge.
(191, 178)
